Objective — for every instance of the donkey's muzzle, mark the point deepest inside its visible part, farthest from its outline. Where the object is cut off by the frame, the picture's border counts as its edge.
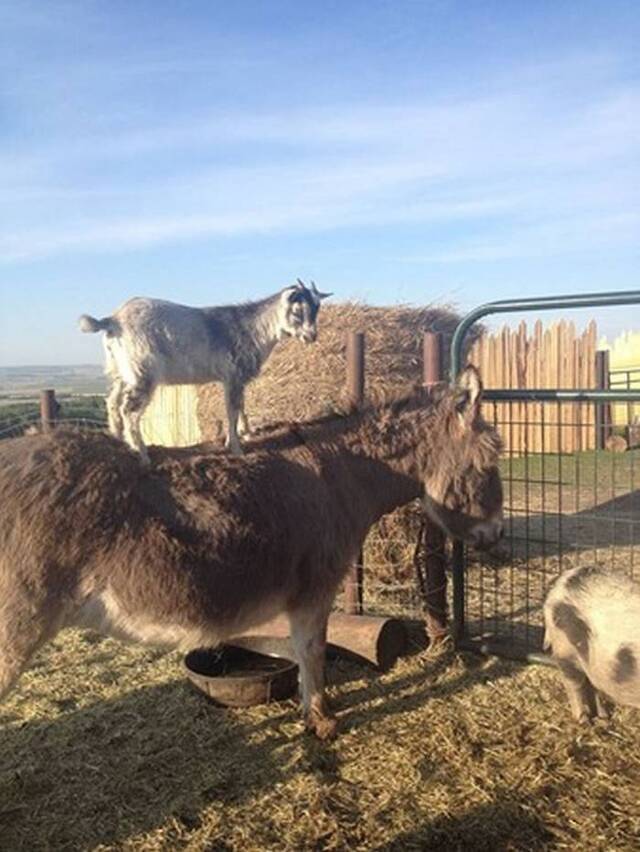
(486, 536)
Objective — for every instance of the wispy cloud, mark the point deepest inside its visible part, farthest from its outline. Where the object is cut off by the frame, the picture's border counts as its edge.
(518, 165)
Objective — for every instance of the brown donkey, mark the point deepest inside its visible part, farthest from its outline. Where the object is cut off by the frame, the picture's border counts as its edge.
(203, 546)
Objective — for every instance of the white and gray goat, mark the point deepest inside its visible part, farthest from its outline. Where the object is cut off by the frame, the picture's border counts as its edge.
(150, 342)
(592, 628)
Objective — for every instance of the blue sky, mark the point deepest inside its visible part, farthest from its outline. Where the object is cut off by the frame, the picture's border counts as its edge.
(398, 151)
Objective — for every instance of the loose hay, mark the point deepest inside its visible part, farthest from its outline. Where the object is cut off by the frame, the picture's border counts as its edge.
(105, 746)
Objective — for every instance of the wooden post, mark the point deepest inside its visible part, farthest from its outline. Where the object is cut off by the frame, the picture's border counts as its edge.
(603, 410)
(434, 553)
(48, 409)
(353, 598)
(431, 358)
(355, 367)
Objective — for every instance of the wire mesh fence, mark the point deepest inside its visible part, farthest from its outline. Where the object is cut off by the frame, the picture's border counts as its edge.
(626, 413)
(26, 418)
(562, 509)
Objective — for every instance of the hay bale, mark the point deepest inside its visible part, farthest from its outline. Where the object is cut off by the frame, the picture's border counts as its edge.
(299, 382)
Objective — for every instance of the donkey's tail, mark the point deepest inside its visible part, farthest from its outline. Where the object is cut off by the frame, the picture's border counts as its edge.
(92, 325)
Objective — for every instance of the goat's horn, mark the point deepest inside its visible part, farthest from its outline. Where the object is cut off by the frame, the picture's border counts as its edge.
(317, 292)
(301, 284)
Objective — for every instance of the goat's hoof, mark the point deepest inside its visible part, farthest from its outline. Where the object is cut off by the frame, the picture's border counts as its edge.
(234, 448)
(324, 727)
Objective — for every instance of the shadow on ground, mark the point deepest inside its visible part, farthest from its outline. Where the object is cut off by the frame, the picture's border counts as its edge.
(504, 824)
(124, 767)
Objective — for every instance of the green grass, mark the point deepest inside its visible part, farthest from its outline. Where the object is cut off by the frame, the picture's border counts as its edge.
(594, 467)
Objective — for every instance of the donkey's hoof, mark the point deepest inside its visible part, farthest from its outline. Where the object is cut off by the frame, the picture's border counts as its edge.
(324, 727)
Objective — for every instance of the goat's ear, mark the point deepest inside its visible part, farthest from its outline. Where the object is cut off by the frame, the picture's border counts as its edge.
(469, 395)
(292, 294)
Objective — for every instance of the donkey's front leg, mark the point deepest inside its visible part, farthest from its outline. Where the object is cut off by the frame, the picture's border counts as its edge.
(309, 638)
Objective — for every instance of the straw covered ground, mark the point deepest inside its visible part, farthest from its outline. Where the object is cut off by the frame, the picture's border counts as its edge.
(104, 746)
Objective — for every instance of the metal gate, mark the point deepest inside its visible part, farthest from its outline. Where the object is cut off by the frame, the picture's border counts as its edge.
(563, 507)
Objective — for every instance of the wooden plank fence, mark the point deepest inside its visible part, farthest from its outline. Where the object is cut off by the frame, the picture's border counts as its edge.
(552, 357)
(171, 418)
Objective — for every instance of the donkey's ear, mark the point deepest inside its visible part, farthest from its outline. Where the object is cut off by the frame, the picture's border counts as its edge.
(470, 392)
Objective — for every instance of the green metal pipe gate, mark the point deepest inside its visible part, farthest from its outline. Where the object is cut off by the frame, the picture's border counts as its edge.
(555, 517)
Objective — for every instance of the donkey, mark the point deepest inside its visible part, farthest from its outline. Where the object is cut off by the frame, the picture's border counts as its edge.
(202, 546)
(150, 342)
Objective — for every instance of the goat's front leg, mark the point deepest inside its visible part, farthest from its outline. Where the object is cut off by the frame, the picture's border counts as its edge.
(135, 399)
(243, 423)
(114, 404)
(233, 402)
(309, 638)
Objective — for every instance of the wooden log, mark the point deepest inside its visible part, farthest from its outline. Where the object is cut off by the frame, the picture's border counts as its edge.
(378, 641)
(616, 444)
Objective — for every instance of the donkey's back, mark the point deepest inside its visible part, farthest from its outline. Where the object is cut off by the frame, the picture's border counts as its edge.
(197, 548)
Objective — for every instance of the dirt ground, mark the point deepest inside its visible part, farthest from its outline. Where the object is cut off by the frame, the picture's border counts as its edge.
(106, 746)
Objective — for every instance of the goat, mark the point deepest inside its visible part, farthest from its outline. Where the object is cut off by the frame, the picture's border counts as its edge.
(202, 545)
(150, 342)
(592, 628)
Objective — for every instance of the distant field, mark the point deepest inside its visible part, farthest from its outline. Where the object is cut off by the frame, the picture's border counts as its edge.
(21, 384)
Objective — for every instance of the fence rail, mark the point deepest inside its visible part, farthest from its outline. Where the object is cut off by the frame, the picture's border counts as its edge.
(626, 414)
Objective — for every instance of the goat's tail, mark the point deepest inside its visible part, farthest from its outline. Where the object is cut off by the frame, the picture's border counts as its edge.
(92, 325)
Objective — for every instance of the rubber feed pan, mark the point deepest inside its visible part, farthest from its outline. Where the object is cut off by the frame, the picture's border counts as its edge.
(241, 677)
